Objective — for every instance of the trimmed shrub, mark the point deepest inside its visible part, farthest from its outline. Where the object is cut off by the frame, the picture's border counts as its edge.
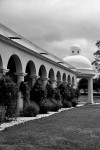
(74, 102)
(65, 91)
(56, 105)
(38, 92)
(50, 91)
(30, 110)
(50, 105)
(57, 94)
(45, 106)
(8, 94)
(2, 114)
(77, 93)
(53, 96)
(25, 92)
(68, 95)
(73, 93)
(66, 104)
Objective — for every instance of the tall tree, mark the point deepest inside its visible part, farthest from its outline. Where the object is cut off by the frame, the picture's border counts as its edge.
(83, 84)
(96, 62)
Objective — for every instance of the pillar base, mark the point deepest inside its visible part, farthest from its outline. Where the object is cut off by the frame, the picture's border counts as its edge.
(3, 71)
(45, 80)
(89, 103)
(33, 79)
(20, 77)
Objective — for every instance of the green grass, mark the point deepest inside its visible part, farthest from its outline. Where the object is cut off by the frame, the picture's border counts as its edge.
(75, 129)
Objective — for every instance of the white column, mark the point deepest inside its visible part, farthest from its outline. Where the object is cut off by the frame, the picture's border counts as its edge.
(45, 80)
(33, 79)
(20, 78)
(3, 71)
(90, 91)
(53, 83)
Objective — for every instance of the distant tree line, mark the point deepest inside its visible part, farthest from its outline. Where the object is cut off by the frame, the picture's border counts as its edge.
(83, 85)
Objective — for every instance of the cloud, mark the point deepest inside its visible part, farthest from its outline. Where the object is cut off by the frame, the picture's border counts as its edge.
(55, 24)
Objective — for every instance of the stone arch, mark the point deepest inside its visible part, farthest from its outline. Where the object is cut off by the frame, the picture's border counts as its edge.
(31, 71)
(30, 68)
(42, 72)
(64, 77)
(15, 66)
(69, 79)
(51, 74)
(58, 76)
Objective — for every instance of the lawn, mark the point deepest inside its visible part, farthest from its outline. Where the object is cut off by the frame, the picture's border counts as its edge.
(75, 129)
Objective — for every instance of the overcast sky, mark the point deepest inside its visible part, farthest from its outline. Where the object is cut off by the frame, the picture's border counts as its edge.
(55, 25)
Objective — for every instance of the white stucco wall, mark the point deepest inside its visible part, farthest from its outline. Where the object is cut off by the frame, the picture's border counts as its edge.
(7, 50)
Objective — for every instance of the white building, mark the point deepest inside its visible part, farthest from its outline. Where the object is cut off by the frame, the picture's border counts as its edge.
(23, 60)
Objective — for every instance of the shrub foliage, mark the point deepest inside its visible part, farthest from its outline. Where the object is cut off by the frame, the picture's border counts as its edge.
(38, 92)
(2, 114)
(31, 110)
(25, 92)
(8, 94)
(42, 98)
(69, 95)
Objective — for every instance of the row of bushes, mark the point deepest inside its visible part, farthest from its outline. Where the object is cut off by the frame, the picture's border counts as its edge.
(40, 99)
(46, 98)
(8, 97)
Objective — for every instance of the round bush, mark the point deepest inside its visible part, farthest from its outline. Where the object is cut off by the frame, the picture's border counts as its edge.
(74, 102)
(65, 91)
(45, 106)
(30, 110)
(56, 105)
(66, 104)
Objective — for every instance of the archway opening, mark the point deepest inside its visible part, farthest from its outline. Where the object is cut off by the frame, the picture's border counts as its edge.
(73, 81)
(42, 72)
(1, 64)
(31, 71)
(14, 65)
(51, 75)
(64, 77)
(58, 76)
(69, 79)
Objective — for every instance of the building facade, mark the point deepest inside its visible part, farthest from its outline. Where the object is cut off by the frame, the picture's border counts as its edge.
(25, 61)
